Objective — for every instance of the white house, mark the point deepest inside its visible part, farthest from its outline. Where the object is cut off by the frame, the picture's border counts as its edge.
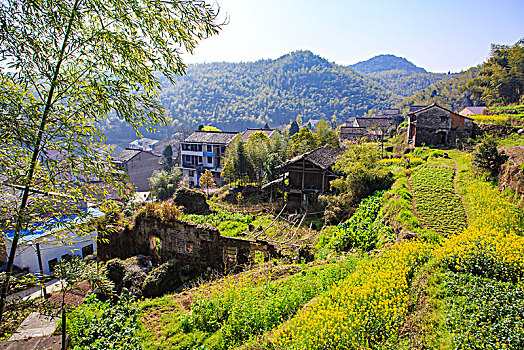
(55, 241)
(204, 150)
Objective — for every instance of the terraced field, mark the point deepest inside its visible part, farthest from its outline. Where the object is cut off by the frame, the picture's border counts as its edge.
(436, 203)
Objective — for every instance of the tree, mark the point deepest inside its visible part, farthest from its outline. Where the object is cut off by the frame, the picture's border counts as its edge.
(236, 155)
(167, 157)
(210, 128)
(501, 79)
(488, 158)
(304, 141)
(326, 135)
(70, 273)
(257, 147)
(65, 66)
(206, 181)
(293, 129)
(164, 183)
(362, 175)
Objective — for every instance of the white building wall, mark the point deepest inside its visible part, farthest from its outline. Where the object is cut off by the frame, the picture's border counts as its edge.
(50, 248)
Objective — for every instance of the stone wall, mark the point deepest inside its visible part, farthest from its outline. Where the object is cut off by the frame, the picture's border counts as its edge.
(512, 176)
(199, 246)
(437, 126)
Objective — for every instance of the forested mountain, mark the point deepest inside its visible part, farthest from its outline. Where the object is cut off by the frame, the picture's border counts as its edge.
(447, 93)
(398, 75)
(238, 95)
(383, 63)
(233, 96)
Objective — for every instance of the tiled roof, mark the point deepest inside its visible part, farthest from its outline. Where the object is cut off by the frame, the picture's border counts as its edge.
(212, 137)
(373, 122)
(349, 130)
(323, 157)
(436, 105)
(126, 155)
(415, 108)
(474, 110)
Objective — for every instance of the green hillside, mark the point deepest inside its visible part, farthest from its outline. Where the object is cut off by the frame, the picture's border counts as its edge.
(238, 95)
(233, 96)
(383, 63)
(448, 93)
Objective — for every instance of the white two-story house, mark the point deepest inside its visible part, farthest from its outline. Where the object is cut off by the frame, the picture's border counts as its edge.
(204, 150)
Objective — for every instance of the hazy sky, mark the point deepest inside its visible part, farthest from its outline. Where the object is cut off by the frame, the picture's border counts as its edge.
(440, 36)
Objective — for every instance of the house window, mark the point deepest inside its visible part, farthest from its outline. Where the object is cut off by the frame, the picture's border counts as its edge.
(199, 159)
(210, 159)
(209, 148)
(52, 263)
(87, 250)
(223, 149)
(199, 148)
(188, 158)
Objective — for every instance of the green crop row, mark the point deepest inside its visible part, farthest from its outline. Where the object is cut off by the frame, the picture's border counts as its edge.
(437, 205)
(484, 313)
(238, 309)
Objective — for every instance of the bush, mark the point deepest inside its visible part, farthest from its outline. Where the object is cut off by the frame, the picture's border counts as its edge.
(163, 279)
(97, 325)
(487, 158)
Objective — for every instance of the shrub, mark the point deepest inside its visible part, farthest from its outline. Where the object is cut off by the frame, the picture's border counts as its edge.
(97, 325)
(487, 157)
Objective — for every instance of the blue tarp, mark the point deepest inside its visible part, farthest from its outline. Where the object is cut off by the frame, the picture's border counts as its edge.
(38, 230)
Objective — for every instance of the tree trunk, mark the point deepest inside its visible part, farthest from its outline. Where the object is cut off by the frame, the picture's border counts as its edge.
(32, 167)
(64, 327)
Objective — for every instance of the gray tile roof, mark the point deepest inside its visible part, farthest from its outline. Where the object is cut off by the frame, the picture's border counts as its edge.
(373, 122)
(415, 108)
(211, 137)
(126, 155)
(323, 157)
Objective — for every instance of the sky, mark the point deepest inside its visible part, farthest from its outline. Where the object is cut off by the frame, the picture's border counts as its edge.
(440, 36)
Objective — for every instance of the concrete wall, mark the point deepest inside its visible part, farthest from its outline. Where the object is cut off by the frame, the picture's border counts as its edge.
(140, 168)
(196, 245)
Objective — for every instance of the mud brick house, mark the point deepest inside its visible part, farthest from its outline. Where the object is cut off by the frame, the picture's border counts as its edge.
(138, 165)
(369, 128)
(437, 126)
(204, 150)
(198, 246)
(309, 173)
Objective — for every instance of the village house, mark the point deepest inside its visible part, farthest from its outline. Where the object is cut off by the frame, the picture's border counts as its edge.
(309, 173)
(437, 126)
(50, 242)
(138, 165)
(204, 150)
(369, 128)
(144, 144)
(466, 112)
